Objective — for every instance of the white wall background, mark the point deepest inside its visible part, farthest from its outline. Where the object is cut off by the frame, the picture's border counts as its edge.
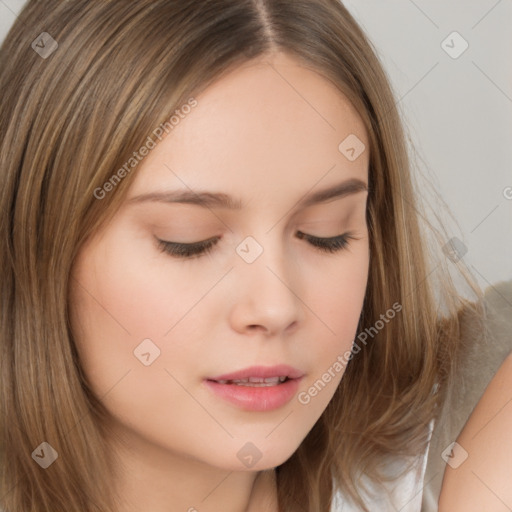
(458, 110)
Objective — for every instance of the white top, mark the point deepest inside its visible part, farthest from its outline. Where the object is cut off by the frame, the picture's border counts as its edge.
(404, 494)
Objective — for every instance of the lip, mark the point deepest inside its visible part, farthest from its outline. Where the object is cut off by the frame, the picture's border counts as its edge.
(254, 398)
(262, 372)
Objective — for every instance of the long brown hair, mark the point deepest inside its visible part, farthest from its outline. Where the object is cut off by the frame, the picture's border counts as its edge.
(73, 110)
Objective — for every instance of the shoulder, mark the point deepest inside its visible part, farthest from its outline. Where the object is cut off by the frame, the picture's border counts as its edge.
(403, 493)
(480, 475)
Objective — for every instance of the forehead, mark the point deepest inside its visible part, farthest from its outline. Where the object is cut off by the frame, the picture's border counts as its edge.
(269, 126)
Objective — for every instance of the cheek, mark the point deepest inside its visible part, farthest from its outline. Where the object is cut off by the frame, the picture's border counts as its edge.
(132, 290)
(340, 291)
(120, 296)
(123, 299)
(337, 300)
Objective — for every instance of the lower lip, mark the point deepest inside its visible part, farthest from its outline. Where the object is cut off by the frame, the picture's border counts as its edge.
(256, 398)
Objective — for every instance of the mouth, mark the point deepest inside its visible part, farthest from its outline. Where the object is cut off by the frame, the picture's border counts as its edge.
(256, 382)
(260, 374)
(257, 388)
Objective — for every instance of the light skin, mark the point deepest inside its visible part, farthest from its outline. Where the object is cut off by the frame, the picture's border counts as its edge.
(254, 137)
(482, 481)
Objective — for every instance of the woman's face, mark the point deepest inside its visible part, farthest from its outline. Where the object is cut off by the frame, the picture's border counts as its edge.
(154, 328)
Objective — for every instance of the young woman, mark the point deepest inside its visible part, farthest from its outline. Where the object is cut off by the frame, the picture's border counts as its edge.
(216, 294)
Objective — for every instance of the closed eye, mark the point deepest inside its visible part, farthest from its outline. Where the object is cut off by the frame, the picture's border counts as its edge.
(196, 249)
(192, 250)
(332, 244)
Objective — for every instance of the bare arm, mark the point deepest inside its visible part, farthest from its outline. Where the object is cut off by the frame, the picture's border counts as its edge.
(483, 481)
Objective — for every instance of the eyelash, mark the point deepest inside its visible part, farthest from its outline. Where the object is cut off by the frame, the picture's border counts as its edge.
(197, 249)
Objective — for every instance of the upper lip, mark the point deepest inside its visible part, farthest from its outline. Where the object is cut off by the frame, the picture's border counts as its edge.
(281, 370)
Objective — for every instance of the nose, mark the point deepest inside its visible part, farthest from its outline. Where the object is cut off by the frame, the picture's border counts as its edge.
(268, 292)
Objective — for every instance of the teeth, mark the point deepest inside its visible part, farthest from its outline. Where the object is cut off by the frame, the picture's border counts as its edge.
(255, 381)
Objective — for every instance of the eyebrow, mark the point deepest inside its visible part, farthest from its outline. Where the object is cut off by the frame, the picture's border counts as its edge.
(208, 199)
